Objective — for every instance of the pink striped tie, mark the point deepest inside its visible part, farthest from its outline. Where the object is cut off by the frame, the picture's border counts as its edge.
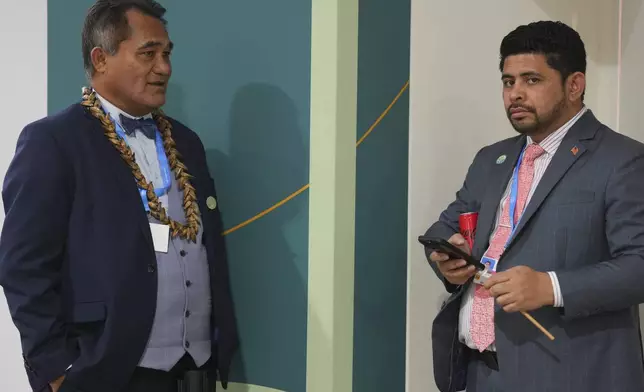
(482, 317)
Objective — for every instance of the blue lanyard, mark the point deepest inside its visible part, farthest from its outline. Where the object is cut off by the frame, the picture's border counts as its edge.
(163, 165)
(514, 191)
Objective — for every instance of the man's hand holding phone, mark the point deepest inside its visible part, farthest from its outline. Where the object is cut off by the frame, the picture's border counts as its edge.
(456, 271)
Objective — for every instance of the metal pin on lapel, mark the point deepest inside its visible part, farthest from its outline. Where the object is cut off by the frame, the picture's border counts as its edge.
(211, 202)
(574, 150)
(500, 159)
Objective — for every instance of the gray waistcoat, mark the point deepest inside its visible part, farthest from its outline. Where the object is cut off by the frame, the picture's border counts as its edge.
(182, 321)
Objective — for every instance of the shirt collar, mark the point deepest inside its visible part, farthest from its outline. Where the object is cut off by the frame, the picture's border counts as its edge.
(114, 111)
(551, 142)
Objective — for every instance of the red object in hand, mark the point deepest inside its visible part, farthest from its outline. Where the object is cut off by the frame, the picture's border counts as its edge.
(467, 226)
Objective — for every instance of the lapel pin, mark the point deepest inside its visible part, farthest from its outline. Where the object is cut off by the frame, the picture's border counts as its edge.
(211, 203)
(574, 150)
(500, 159)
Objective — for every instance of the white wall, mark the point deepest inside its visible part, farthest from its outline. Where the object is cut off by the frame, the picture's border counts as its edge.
(631, 115)
(456, 108)
(631, 86)
(23, 98)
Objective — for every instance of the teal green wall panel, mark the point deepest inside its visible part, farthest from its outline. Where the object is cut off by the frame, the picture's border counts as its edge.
(65, 74)
(381, 198)
(241, 81)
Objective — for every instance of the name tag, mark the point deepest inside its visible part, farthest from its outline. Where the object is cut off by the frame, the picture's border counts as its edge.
(490, 267)
(160, 237)
(481, 277)
(490, 263)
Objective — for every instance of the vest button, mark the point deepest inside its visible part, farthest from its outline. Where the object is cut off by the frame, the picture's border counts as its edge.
(151, 268)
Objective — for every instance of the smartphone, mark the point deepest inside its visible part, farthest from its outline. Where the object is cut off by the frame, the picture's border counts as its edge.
(442, 246)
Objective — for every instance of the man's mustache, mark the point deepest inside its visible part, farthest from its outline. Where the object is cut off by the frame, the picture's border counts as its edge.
(520, 107)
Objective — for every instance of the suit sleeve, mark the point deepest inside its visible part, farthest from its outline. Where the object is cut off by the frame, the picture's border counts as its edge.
(617, 283)
(37, 199)
(447, 224)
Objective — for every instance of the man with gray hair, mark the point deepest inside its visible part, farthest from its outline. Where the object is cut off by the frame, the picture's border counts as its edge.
(111, 255)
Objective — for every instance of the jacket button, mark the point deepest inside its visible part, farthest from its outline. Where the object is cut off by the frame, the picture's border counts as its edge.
(151, 268)
(182, 253)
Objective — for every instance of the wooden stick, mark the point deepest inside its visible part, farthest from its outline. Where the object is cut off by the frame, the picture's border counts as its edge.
(538, 325)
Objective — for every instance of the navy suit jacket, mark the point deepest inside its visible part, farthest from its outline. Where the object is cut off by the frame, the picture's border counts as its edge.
(77, 263)
(585, 221)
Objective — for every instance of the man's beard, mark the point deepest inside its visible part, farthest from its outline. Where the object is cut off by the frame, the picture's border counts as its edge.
(540, 123)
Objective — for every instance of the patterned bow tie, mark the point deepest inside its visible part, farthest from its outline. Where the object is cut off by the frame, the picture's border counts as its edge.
(145, 125)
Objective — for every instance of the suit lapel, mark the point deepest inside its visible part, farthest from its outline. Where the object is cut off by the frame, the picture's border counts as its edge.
(570, 150)
(121, 175)
(499, 176)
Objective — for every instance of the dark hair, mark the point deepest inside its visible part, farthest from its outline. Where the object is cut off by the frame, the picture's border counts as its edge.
(106, 25)
(559, 43)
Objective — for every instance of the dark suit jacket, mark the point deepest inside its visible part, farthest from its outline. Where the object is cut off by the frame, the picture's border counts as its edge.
(77, 262)
(585, 221)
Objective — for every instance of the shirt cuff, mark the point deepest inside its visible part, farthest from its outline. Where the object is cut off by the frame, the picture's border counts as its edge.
(559, 303)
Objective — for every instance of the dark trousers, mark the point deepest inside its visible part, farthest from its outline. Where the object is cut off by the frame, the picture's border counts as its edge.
(148, 380)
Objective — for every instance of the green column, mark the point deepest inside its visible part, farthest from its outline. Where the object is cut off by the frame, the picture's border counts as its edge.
(334, 57)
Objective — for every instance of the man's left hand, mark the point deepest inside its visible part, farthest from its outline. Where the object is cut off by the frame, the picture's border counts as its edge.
(521, 289)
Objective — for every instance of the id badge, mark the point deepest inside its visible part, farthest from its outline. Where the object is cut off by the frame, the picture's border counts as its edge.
(160, 237)
(490, 263)
(490, 267)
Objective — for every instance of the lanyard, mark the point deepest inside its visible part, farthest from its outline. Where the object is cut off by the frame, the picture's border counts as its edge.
(514, 191)
(164, 166)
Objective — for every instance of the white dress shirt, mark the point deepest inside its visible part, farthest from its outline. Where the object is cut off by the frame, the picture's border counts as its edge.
(550, 144)
(144, 148)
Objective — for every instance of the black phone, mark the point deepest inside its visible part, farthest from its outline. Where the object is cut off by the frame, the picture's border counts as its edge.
(442, 246)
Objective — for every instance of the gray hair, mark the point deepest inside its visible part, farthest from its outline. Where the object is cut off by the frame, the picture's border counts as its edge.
(106, 26)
